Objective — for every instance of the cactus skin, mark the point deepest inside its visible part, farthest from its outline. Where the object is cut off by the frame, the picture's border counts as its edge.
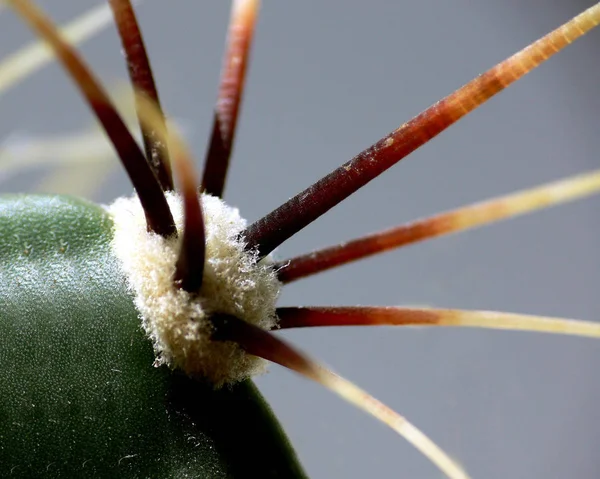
(80, 396)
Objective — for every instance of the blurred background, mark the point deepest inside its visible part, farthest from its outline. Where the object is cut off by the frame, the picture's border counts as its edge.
(327, 80)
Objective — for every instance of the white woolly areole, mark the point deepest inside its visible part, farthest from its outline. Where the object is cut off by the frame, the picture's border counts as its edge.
(177, 322)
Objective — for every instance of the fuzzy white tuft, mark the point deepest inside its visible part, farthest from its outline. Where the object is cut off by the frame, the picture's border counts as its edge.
(177, 322)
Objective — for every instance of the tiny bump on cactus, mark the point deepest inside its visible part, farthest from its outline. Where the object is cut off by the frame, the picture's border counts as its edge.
(81, 395)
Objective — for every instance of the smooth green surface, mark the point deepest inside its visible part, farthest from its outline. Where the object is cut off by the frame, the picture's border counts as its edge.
(79, 396)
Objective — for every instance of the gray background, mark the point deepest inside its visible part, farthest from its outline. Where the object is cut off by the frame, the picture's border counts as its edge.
(328, 79)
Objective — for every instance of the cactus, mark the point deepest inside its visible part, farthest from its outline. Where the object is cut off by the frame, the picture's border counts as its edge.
(88, 393)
